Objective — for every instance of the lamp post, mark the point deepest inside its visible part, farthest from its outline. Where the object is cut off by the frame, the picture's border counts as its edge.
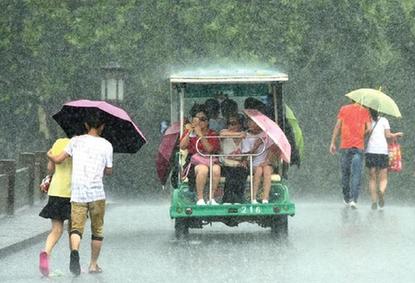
(112, 83)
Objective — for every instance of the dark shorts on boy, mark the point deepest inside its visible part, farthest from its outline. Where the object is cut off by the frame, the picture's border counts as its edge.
(374, 160)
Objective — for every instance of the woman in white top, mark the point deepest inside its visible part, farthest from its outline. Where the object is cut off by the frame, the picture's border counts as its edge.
(377, 159)
(234, 169)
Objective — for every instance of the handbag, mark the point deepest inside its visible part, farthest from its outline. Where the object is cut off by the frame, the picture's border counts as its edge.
(198, 159)
(44, 185)
(395, 157)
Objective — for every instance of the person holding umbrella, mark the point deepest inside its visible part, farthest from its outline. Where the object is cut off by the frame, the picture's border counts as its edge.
(380, 103)
(91, 158)
(353, 122)
(268, 142)
(258, 143)
(377, 159)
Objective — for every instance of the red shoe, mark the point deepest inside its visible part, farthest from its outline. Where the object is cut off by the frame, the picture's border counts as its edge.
(44, 263)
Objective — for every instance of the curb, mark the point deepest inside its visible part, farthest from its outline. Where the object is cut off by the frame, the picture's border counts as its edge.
(35, 239)
(16, 247)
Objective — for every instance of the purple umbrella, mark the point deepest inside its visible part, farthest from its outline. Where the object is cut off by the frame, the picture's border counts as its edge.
(119, 129)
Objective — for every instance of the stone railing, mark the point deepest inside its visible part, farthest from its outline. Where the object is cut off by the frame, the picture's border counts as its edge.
(19, 181)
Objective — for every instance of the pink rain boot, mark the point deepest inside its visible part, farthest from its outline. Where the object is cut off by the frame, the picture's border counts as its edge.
(44, 263)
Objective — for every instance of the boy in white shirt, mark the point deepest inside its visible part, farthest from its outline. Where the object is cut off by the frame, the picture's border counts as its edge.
(91, 159)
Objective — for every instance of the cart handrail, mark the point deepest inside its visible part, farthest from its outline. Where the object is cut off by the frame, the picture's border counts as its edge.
(249, 155)
(230, 137)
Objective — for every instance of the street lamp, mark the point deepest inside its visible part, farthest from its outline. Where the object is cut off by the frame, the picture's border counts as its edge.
(112, 84)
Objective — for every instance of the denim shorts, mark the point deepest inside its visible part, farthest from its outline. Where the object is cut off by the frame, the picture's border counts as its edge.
(374, 160)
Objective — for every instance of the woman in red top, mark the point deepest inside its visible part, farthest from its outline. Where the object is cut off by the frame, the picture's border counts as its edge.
(199, 128)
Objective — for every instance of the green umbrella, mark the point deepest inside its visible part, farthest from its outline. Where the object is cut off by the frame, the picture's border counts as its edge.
(375, 100)
(298, 134)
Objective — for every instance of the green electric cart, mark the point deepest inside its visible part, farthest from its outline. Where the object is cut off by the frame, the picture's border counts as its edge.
(195, 86)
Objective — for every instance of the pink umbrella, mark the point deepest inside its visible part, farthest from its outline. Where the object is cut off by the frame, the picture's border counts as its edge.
(165, 152)
(273, 131)
(119, 129)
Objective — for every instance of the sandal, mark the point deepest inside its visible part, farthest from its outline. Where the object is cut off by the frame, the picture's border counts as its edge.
(96, 271)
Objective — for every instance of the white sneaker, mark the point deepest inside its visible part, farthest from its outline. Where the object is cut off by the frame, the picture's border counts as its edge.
(213, 202)
(264, 201)
(254, 201)
(201, 202)
(353, 204)
(346, 204)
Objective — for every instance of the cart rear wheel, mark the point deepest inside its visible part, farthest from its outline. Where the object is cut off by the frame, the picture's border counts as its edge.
(279, 226)
(181, 228)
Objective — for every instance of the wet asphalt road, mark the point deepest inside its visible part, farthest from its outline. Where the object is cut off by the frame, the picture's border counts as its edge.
(326, 243)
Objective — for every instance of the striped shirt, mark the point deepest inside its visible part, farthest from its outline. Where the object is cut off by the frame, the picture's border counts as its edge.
(90, 156)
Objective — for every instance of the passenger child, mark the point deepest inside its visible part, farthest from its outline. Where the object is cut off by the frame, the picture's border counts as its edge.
(228, 108)
(262, 164)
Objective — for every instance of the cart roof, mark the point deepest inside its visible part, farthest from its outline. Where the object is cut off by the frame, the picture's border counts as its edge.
(228, 75)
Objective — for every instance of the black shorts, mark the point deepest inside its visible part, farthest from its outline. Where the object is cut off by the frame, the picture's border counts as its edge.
(58, 208)
(374, 160)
